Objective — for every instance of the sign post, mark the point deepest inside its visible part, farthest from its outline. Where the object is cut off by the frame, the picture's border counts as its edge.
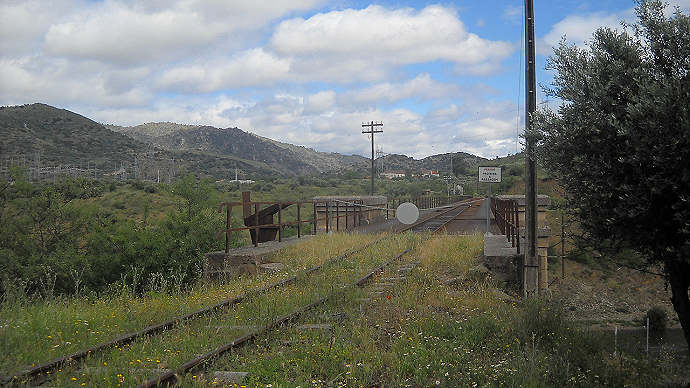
(489, 175)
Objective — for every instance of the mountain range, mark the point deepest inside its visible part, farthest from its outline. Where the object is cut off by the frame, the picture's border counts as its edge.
(50, 136)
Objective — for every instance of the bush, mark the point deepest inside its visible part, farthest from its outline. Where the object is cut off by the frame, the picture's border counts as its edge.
(657, 319)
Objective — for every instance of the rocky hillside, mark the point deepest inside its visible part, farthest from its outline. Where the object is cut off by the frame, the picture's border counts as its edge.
(62, 137)
(439, 162)
(289, 159)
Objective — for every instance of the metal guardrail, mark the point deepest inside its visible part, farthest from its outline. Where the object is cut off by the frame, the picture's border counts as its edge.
(333, 218)
(507, 215)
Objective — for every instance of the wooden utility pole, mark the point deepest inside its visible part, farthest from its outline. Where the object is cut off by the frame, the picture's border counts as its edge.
(372, 131)
(531, 262)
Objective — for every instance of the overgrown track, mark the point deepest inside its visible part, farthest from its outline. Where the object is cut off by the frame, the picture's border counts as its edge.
(41, 373)
(172, 377)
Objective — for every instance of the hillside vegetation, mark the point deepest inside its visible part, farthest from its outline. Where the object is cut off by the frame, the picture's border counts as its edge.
(287, 158)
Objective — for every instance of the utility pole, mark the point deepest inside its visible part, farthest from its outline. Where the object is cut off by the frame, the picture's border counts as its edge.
(372, 131)
(531, 262)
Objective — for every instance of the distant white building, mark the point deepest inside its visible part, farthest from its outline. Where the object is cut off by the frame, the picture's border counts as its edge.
(393, 174)
(240, 181)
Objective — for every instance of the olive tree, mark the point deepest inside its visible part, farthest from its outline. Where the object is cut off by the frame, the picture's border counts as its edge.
(619, 142)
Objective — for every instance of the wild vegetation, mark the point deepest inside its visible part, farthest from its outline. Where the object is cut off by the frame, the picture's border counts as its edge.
(446, 324)
(621, 149)
(82, 235)
(78, 235)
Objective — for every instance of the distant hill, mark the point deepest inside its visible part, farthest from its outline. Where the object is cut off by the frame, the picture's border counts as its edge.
(439, 162)
(287, 158)
(60, 137)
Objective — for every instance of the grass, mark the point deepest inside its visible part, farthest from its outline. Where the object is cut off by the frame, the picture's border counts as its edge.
(424, 331)
(35, 332)
(431, 334)
(172, 348)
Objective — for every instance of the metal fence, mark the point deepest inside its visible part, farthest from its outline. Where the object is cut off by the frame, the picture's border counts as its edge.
(507, 215)
(262, 227)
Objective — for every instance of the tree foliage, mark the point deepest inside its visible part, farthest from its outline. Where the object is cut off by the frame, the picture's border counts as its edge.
(620, 141)
(51, 244)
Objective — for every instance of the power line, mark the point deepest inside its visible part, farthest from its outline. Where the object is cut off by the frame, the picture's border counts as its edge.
(372, 131)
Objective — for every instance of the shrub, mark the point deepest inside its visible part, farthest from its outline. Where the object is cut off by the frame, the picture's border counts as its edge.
(657, 319)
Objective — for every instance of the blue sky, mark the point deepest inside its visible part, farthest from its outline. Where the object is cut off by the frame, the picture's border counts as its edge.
(442, 76)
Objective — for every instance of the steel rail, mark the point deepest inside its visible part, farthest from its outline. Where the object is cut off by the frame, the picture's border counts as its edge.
(433, 216)
(450, 219)
(34, 373)
(173, 377)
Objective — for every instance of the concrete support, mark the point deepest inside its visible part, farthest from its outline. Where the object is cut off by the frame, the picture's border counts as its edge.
(534, 274)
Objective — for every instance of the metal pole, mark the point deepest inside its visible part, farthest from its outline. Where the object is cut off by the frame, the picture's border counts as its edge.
(373, 171)
(562, 246)
(347, 226)
(372, 131)
(227, 226)
(280, 222)
(488, 210)
(647, 348)
(299, 221)
(531, 261)
(256, 223)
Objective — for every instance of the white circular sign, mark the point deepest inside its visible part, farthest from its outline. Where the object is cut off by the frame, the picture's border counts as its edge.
(407, 213)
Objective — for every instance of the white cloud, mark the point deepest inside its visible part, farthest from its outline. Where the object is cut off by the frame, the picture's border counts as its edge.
(513, 14)
(360, 44)
(578, 29)
(137, 32)
(59, 82)
(321, 101)
(422, 87)
(253, 67)
(23, 23)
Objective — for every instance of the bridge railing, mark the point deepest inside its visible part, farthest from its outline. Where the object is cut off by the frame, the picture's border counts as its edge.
(263, 228)
(507, 215)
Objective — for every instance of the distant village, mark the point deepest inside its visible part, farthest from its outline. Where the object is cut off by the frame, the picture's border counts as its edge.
(401, 174)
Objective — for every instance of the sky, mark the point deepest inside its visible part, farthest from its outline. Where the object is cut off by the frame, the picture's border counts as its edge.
(441, 76)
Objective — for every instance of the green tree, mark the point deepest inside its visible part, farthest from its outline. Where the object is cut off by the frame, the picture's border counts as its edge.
(620, 141)
(460, 166)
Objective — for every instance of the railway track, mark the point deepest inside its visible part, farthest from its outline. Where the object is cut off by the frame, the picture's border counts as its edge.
(242, 333)
(176, 376)
(442, 217)
(41, 373)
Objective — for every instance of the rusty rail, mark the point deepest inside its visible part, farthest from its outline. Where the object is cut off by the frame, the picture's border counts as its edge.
(428, 201)
(38, 373)
(173, 377)
(507, 215)
(463, 205)
(35, 373)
